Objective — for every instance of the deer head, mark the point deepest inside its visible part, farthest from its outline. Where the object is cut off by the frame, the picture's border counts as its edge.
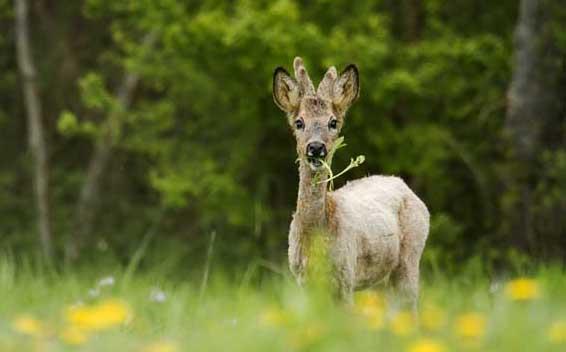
(316, 117)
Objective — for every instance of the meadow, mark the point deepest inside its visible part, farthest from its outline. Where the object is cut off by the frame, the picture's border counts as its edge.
(107, 308)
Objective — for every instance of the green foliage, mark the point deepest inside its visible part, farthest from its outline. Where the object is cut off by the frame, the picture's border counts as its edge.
(94, 94)
(68, 125)
(550, 202)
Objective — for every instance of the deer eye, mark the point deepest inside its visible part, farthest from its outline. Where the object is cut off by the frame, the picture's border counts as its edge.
(333, 124)
(299, 124)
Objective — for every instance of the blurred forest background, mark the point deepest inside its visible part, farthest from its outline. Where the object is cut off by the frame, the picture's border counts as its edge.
(151, 123)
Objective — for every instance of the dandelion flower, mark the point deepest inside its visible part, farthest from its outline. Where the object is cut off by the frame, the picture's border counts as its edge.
(162, 346)
(372, 307)
(26, 324)
(308, 336)
(272, 317)
(375, 321)
(557, 332)
(73, 336)
(426, 345)
(522, 289)
(470, 325)
(433, 318)
(369, 299)
(403, 324)
(102, 316)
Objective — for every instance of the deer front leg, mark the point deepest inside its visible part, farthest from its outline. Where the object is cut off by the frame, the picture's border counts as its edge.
(297, 265)
(297, 255)
(343, 277)
(346, 292)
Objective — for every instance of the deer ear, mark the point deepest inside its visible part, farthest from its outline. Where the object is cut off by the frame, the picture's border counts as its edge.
(286, 91)
(346, 88)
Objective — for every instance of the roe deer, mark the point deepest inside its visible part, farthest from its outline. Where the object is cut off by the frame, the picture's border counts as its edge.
(376, 226)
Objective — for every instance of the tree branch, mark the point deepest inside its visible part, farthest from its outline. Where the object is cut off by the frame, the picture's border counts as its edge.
(90, 192)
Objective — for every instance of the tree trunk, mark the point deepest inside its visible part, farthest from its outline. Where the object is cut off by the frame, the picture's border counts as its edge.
(90, 192)
(533, 104)
(37, 143)
(414, 20)
(408, 19)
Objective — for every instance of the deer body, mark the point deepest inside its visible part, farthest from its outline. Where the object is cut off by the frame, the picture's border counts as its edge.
(376, 226)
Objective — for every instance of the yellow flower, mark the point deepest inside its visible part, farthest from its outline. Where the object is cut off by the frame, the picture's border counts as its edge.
(376, 321)
(426, 345)
(403, 324)
(370, 299)
(273, 316)
(432, 318)
(522, 289)
(557, 332)
(26, 324)
(470, 325)
(73, 336)
(102, 316)
(161, 347)
(371, 306)
(307, 336)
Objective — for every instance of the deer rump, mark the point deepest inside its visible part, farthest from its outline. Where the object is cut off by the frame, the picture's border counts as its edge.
(377, 223)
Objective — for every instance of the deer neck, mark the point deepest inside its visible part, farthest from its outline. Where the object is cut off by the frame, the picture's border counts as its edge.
(311, 200)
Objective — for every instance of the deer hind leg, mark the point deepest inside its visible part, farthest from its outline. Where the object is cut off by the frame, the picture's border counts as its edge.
(405, 283)
(414, 223)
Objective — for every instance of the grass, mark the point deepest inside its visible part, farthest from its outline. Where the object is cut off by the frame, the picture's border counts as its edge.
(108, 309)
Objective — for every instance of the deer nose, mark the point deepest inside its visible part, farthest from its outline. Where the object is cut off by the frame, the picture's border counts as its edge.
(316, 150)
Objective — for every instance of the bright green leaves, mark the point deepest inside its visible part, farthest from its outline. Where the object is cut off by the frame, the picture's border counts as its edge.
(68, 125)
(94, 93)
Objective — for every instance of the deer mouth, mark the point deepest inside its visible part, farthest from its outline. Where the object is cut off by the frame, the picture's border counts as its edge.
(314, 163)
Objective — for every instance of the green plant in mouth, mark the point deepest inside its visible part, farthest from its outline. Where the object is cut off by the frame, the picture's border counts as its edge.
(328, 166)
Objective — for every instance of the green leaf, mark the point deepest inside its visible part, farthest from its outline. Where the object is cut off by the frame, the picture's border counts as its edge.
(67, 123)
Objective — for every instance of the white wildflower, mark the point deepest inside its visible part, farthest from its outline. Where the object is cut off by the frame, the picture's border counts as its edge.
(94, 292)
(157, 295)
(495, 286)
(106, 281)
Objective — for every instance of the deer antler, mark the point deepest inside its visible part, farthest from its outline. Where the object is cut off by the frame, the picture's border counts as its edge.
(325, 87)
(302, 76)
